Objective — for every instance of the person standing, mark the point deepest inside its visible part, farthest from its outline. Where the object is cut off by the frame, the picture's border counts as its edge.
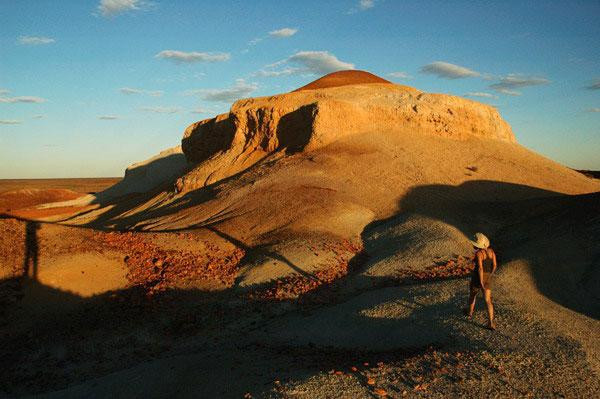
(481, 278)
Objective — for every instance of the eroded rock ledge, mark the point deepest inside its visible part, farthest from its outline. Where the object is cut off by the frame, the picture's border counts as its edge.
(310, 119)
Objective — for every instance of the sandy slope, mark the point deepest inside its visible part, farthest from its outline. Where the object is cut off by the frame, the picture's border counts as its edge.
(334, 192)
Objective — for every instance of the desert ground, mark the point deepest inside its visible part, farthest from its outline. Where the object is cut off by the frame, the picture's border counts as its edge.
(312, 244)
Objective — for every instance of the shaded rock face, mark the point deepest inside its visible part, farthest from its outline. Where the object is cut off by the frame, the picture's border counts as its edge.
(310, 119)
(143, 176)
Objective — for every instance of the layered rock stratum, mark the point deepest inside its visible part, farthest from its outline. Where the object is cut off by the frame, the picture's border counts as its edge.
(336, 106)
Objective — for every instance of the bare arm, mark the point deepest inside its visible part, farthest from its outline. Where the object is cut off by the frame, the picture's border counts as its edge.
(480, 270)
(494, 261)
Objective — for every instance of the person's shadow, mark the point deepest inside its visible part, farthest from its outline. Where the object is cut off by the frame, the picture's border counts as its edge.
(30, 260)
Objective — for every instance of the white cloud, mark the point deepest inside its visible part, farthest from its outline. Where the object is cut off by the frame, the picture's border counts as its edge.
(4, 92)
(22, 99)
(189, 57)
(284, 32)
(9, 122)
(362, 5)
(596, 109)
(201, 110)
(448, 71)
(508, 92)
(241, 89)
(35, 40)
(161, 110)
(319, 62)
(109, 8)
(507, 84)
(130, 91)
(400, 75)
(595, 85)
(283, 72)
(480, 94)
(366, 4)
(108, 117)
(310, 63)
(255, 41)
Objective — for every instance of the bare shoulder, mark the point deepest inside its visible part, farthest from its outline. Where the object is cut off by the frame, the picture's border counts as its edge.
(480, 254)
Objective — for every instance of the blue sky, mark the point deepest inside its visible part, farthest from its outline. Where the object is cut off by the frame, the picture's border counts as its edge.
(88, 87)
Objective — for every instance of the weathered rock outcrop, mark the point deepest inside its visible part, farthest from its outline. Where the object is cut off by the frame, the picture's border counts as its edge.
(312, 118)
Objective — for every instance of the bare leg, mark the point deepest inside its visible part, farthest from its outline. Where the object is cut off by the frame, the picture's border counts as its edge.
(490, 307)
(471, 303)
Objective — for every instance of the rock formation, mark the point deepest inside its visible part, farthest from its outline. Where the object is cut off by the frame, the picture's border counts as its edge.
(338, 105)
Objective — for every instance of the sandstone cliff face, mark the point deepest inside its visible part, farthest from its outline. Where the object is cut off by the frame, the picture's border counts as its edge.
(310, 119)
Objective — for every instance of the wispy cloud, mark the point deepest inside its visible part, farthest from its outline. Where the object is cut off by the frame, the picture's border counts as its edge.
(308, 63)
(596, 109)
(240, 89)
(274, 73)
(132, 91)
(400, 75)
(38, 117)
(362, 5)
(480, 94)
(22, 99)
(366, 4)
(109, 8)
(193, 56)
(508, 92)
(319, 62)
(448, 71)
(284, 32)
(279, 33)
(108, 117)
(202, 110)
(509, 83)
(161, 110)
(255, 41)
(35, 40)
(594, 85)
(4, 92)
(9, 122)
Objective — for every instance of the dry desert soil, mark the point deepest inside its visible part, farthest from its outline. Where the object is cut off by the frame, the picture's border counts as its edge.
(313, 244)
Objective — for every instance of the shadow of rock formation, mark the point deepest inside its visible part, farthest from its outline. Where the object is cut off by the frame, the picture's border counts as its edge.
(554, 233)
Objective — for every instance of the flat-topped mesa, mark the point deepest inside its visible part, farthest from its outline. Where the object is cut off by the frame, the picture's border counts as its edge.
(335, 106)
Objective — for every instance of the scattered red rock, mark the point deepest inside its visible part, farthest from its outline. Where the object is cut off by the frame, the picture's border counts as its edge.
(157, 269)
(13, 231)
(457, 267)
(295, 286)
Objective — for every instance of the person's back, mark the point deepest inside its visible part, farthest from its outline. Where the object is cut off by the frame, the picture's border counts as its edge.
(481, 278)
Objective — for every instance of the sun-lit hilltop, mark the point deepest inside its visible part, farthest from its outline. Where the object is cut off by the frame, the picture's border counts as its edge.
(343, 78)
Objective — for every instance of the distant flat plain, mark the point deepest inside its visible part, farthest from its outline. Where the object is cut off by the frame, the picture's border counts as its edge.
(82, 185)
